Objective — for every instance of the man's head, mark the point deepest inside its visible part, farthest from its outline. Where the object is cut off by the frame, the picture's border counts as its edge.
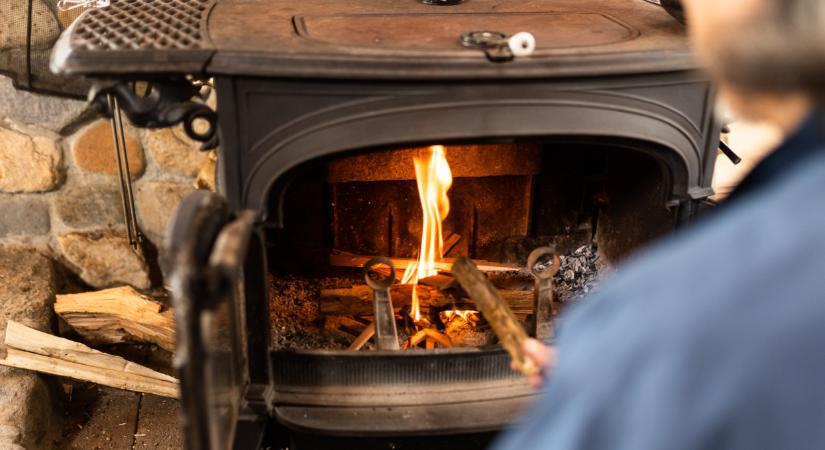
(760, 49)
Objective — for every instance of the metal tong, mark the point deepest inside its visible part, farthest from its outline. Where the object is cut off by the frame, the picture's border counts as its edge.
(386, 334)
(537, 263)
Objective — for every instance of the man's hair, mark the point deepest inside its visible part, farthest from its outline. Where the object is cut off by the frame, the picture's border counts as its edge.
(782, 51)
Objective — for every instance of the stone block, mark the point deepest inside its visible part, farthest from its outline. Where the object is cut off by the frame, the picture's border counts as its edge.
(28, 163)
(50, 113)
(156, 202)
(93, 206)
(23, 216)
(173, 151)
(104, 259)
(27, 290)
(94, 150)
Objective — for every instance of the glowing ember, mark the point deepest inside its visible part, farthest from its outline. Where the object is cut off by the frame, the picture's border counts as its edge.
(434, 180)
(469, 315)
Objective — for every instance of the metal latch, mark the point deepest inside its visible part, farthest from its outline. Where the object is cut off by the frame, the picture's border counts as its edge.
(498, 46)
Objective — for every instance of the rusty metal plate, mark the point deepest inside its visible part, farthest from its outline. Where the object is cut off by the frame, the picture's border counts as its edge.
(379, 39)
(440, 32)
(465, 161)
(130, 36)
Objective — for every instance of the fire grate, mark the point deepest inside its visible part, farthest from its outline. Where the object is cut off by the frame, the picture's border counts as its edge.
(142, 25)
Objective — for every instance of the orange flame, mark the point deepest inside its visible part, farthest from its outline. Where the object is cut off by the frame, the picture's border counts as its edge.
(434, 180)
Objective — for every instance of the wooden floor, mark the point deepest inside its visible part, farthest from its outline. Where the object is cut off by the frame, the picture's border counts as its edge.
(97, 417)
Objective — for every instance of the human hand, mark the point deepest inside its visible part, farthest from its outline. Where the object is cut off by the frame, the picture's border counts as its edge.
(543, 356)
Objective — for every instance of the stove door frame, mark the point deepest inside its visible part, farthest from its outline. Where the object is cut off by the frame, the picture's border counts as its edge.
(271, 127)
(218, 261)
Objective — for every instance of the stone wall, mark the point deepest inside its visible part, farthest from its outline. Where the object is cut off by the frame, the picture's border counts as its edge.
(59, 187)
(61, 225)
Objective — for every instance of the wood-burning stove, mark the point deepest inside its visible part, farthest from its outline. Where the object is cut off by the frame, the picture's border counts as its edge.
(604, 134)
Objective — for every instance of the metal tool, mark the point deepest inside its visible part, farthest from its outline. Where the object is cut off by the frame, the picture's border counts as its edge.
(386, 335)
(493, 43)
(124, 174)
(543, 263)
(498, 46)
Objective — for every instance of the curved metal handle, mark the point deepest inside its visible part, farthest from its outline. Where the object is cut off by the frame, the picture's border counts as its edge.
(386, 334)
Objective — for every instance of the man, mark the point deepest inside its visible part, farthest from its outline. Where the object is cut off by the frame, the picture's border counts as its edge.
(715, 339)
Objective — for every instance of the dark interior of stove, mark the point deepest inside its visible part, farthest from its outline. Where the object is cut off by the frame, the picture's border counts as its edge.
(605, 197)
(614, 194)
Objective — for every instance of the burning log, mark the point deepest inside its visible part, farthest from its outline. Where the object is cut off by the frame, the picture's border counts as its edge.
(357, 300)
(494, 308)
(344, 259)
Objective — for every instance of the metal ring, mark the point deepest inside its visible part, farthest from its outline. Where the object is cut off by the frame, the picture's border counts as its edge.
(483, 39)
(539, 253)
(382, 283)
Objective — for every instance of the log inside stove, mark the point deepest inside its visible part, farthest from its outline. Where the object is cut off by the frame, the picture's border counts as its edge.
(449, 314)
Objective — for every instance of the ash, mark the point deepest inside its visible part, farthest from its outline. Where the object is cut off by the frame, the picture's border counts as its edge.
(579, 274)
(295, 314)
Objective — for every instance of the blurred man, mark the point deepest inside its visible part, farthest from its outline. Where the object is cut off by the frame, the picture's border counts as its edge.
(715, 339)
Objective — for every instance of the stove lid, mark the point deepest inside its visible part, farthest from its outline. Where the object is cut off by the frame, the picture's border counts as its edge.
(389, 39)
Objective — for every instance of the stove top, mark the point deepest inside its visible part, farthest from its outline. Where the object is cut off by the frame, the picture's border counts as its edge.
(376, 39)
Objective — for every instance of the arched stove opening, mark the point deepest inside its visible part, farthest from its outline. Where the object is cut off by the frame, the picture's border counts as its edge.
(594, 200)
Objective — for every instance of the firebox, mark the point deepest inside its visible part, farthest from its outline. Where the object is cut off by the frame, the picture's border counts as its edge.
(416, 133)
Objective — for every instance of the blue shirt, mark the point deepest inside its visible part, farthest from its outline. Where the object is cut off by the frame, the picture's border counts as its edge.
(713, 339)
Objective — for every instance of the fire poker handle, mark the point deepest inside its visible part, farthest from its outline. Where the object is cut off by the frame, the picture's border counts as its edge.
(496, 310)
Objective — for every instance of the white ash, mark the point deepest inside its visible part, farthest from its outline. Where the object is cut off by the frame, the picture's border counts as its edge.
(578, 275)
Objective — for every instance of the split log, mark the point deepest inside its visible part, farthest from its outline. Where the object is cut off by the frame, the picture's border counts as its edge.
(21, 337)
(27, 348)
(363, 338)
(112, 378)
(357, 300)
(345, 259)
(118, 315)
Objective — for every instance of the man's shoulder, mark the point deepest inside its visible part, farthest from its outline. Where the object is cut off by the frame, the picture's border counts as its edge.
(765, 251)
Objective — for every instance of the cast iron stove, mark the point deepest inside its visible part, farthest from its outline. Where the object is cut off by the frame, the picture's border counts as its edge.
(611, 88)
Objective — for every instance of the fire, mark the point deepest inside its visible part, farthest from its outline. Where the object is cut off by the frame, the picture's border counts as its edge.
(434, 180)
(468, 314)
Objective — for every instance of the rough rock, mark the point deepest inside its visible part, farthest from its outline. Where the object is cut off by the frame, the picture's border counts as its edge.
(23, 216)
(50, 113)
(94, 150)
(89, 206)
(172, 150)
(26, 295)
(156, 202)
(45, 28)
(104, 258)
(28, 163)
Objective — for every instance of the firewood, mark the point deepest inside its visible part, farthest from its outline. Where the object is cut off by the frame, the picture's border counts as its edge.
(106, 377)
(345, 259)
(438, 281)
(363, 338)
(21, 337)
(118, 315)
(492, 305)
(30, 349)
(357, 300)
